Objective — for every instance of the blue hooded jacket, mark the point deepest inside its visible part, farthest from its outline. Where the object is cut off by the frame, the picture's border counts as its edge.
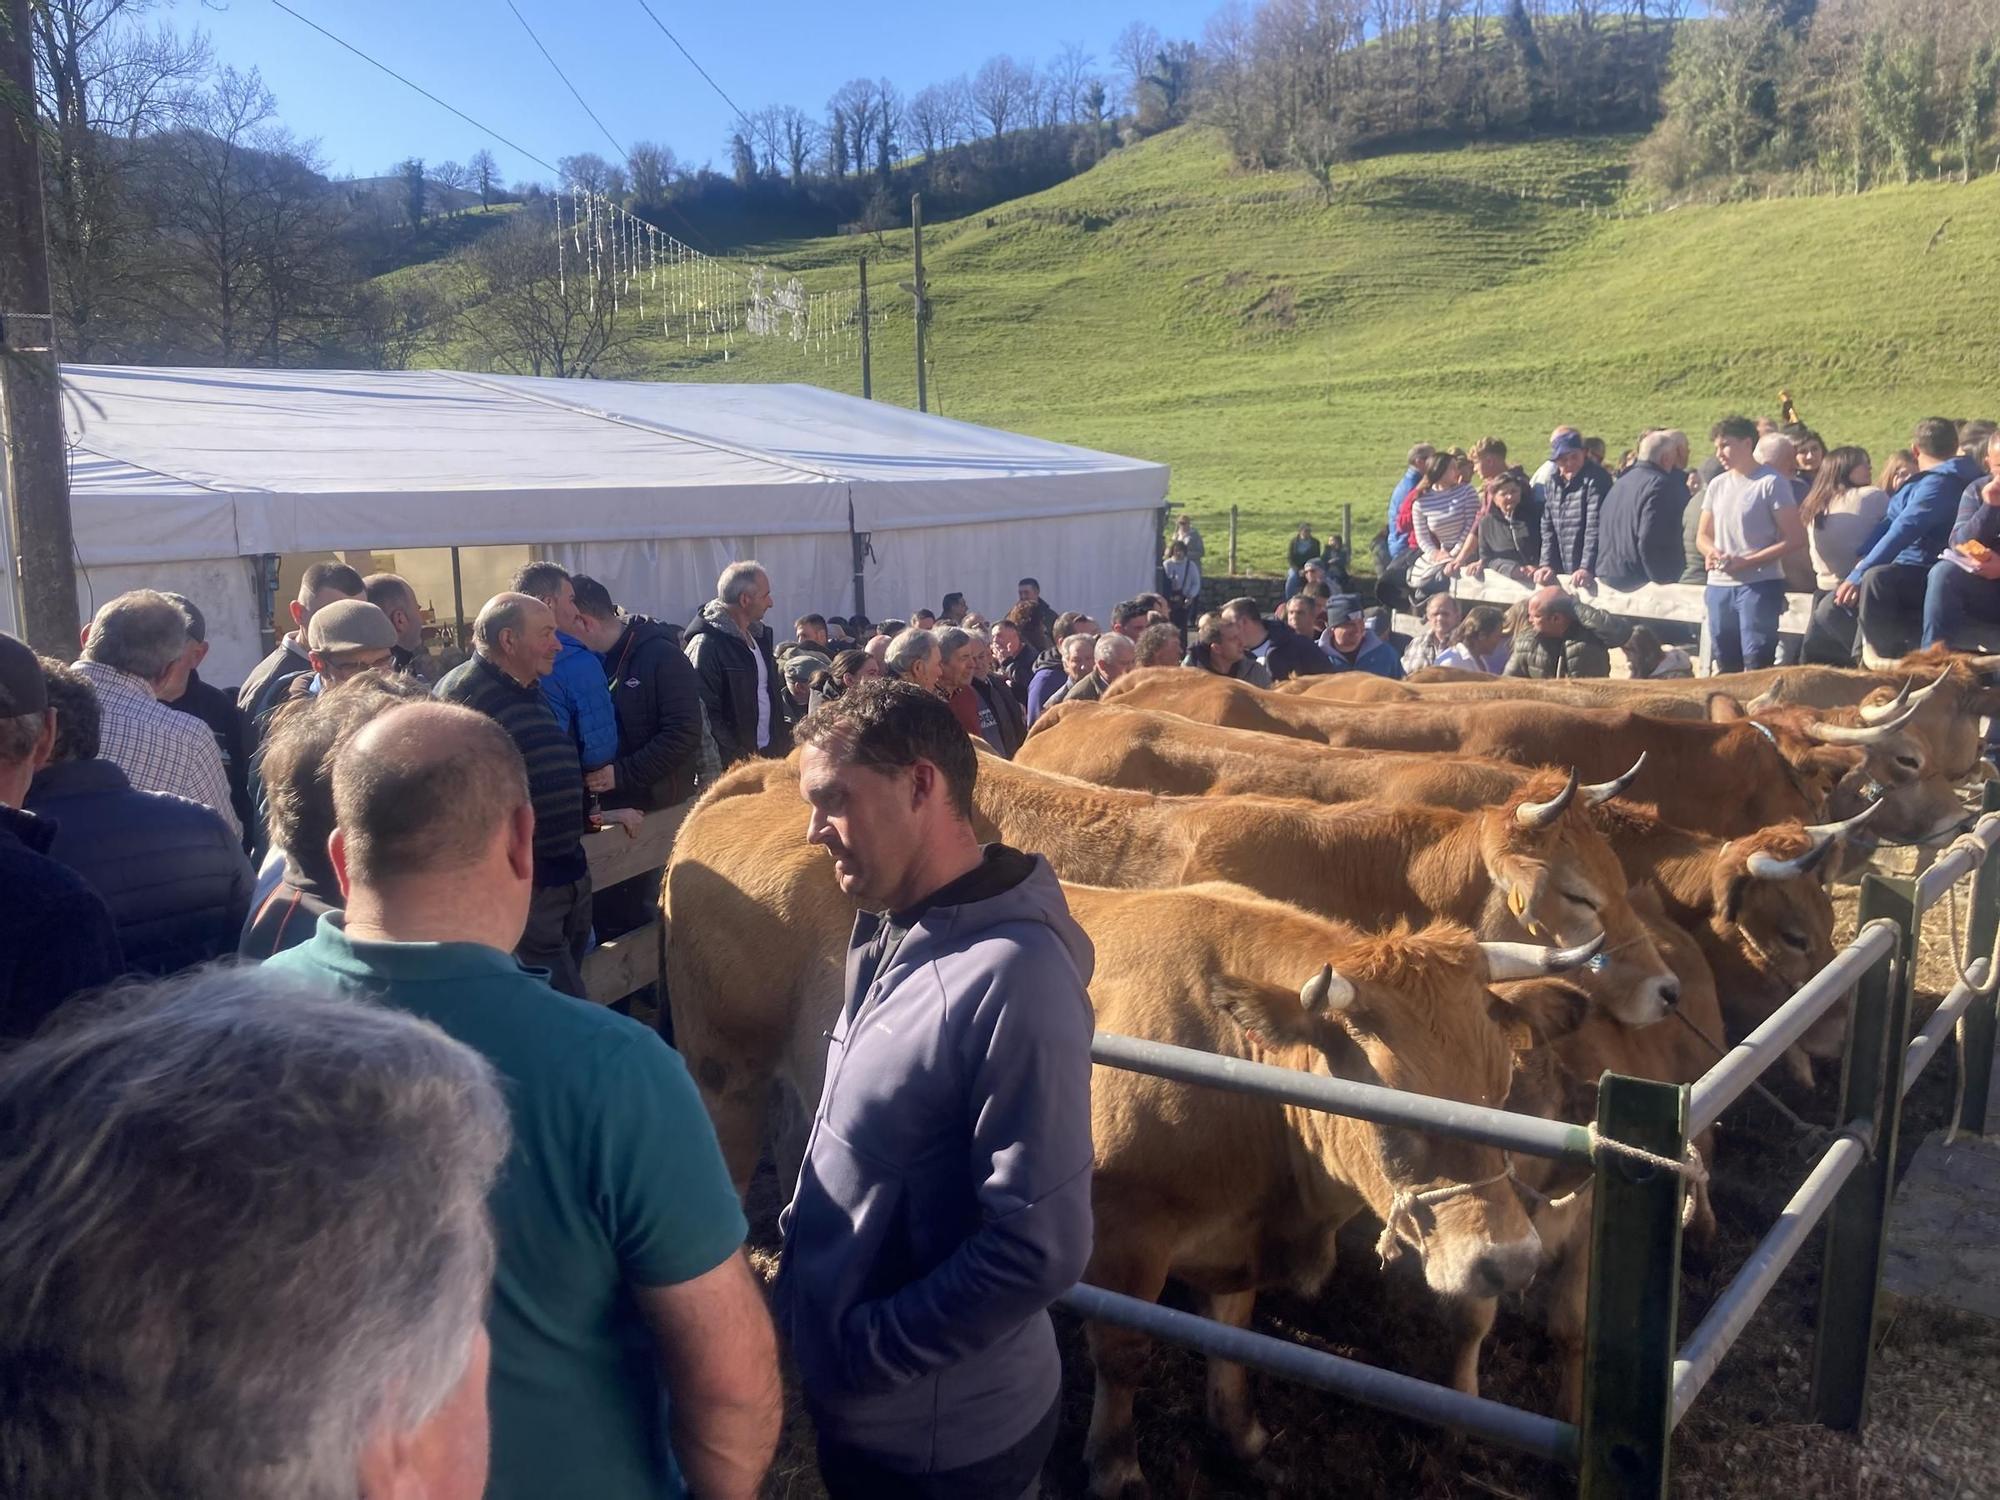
(1376, 655)
(944, 1202)
(581, 701)
(1918, 522)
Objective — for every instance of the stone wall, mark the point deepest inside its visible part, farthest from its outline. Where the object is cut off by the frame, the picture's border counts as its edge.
(1268, 592)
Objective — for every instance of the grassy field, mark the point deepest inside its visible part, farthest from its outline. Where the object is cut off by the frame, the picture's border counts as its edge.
(1281, 351)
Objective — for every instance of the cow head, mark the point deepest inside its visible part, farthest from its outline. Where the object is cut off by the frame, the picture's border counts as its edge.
(1556, 879)
(1817, 766)
(1411, 1011)
(1772, 922)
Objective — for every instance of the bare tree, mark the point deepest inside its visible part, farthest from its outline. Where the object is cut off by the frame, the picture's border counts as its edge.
(485, 175)
(1000, 92)
(1069, 77)
(653, 167)
(798, 137)
(931, 117)
(888, 126)
(528, 320)
(852, 110)
(453, 177)
(1135, 50)
(587, 172)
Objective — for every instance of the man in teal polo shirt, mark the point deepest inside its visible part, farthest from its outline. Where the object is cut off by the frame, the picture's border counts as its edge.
(628, 1330)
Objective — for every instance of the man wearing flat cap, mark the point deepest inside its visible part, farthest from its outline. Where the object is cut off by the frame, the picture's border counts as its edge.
(343, 640)
(56, 936)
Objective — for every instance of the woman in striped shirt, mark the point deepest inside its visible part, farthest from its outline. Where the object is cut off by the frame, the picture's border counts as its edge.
(1446, 517)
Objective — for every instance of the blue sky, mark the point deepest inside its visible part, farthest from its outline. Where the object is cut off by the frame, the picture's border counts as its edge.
(474, 54)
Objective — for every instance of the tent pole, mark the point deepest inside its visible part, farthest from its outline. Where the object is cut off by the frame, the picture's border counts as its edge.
(857, 545)
(457, 603)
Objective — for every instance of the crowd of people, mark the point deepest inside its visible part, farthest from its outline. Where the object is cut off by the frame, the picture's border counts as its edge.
(297, 978)
(1892, 562)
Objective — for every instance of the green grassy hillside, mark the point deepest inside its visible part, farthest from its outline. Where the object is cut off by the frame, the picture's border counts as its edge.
(1281, 351)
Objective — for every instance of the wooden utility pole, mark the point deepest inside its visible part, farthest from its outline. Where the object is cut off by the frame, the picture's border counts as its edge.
(30, 392)
(867, 375)
(920, 292)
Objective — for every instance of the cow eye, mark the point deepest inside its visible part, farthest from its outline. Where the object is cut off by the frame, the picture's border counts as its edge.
(1909, 763)
(1586, 902)
(1795, 941)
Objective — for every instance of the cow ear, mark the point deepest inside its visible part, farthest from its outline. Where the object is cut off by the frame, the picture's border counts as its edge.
(1265, 1013)
(1536, 1012)
(1724, 709)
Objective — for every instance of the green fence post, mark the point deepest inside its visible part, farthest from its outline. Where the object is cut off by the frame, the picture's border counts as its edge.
(1635, 1292)
(1982, 1019)
(1857, 1226)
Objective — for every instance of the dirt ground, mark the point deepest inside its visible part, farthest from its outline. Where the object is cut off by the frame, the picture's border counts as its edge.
(1934, 1432)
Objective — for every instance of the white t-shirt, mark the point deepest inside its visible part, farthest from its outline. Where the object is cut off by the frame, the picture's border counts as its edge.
(1744, 508)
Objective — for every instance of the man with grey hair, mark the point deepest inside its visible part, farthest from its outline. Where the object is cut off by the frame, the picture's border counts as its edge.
(134, 656)
(1112, 656)
(213, 1286)
(56, 934)
(741, 691)
(913, 657)
(625, 1317)
(1639, 526)
(514, 648)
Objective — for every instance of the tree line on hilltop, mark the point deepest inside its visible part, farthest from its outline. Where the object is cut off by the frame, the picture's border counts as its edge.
(187, 224)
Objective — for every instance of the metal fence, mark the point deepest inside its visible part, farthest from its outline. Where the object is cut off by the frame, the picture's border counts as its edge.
(1637, 1384)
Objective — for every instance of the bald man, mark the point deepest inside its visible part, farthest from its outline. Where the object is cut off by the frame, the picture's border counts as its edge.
(514, 648)
(619, 1233)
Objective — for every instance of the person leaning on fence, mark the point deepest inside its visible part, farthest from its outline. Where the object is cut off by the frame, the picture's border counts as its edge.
(171, 871)
(56, 933)
(1445, 521)
(1749, 524)
(1572, 505)
(622, 1278)
(246, 1251)
(321, 584)
(1510, 529)
(297, 884)
(1563, 637)
(939, 1210)
(736, 672)
(514, 641)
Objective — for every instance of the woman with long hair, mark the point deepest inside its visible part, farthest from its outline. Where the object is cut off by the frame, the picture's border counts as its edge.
(846, 669)
(1841, 512)
(1034, 634)
(1482, 642)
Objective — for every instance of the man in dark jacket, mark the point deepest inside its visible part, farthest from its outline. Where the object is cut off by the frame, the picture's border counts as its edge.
(736, 674)
(56, 936)
(265, 687)
(941, 1208)
(1565, 638)
(657, 699)
(218, 711)
(1887, 585)
(1510, 528)
(1639, 533)
(1572, 508)
(1029, 592)
(172, 873)
(515, 646)
(1274, 643)
(1013, 663)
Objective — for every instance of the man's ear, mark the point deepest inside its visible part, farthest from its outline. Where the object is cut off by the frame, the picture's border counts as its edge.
(336, 851)
(923, 783)
(521, 842)
(298, 614)
(45, 742)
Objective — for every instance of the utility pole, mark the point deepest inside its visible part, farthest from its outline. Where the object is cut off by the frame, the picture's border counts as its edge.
(30, 392)
(923, 295)
(867, 377)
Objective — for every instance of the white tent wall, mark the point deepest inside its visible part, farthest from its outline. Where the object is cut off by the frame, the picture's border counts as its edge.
(1086, 562)
(223, 588)
(671, 580)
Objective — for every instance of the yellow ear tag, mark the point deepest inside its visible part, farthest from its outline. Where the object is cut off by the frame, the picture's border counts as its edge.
(1516, 902)
(1519, 1037)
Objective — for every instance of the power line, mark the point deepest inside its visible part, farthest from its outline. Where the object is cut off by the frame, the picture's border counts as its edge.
(622, 156)
(372, 62)
(691, 62)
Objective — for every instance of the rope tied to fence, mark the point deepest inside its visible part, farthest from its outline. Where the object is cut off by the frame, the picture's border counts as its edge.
(1400, 1223)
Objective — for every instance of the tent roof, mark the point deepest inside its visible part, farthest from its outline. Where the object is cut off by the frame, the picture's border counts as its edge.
(187, 463)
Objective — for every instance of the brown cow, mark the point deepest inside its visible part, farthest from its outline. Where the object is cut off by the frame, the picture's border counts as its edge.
(1728, 778)
(1227, 1192)
(1765, 926)
(1526, 862)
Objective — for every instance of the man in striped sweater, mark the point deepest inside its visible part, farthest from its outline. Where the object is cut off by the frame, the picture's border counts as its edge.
(514, 648)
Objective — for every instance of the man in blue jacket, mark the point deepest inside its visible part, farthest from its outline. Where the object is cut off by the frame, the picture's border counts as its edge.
(1350, 646)
(944, 1202)
(575, 690)
(1964, 590)
(1887, 585)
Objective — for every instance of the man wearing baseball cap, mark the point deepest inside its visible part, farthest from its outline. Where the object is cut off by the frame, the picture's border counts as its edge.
(56, 936)
(1350, 645)
(1572, 501)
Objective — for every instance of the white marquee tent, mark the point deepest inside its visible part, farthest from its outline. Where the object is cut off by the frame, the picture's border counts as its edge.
(186, 479)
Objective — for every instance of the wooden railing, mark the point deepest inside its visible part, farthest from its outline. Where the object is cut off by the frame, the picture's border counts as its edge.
(614, 969)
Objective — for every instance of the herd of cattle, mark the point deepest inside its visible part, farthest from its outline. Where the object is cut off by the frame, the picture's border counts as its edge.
(1483, 891)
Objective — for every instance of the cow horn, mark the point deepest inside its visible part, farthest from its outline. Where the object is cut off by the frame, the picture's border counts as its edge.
(1984, 663)
(1505, 961)
(1875, 713)
(1599, 792)
(1924, 692)
(1769, 867)
(1326, 991)
(1766, 699)
(1855, 734)
(1542, 814)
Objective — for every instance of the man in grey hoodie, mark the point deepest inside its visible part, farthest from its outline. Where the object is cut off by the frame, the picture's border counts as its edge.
(944, 1202)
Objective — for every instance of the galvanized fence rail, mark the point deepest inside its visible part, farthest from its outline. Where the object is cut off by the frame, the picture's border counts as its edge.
(1638, 1384)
